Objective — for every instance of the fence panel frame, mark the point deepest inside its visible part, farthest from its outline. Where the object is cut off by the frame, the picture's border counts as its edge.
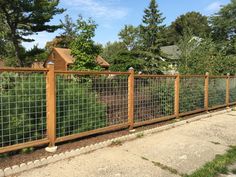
(33, 143)
(51, 138)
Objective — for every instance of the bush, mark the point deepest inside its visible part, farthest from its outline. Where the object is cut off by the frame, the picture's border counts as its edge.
(23, 108)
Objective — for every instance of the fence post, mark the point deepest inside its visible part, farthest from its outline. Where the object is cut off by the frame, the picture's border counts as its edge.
(131, 98)
(227, 90)
(177, 81)
(51, 105)
(206, 92)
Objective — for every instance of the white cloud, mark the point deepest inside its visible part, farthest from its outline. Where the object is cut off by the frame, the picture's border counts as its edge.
(214, 7)
(108, 10)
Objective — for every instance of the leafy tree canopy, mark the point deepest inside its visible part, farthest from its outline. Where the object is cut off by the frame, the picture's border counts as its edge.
(83, 48)
(25, 18)
(191, 23)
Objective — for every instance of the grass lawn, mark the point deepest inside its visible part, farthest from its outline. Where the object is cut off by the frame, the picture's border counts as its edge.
(217, 166)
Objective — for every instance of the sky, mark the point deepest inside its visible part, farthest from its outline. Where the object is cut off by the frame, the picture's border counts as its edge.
(112, 15)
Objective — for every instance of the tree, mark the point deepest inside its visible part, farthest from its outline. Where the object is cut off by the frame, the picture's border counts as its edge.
(35, 54)
(224, 27)
(199, 57)
(25, 18)
(83, 48)
(129, 35)
(224, 22)
(66, 37)
(191, 23)
(151, 28)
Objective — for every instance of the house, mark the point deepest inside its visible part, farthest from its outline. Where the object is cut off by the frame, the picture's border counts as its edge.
(37, 65)
(62, 59)
(171, 54)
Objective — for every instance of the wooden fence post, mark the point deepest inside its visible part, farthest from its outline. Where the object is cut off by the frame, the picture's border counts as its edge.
(227, 99)
(51, 105)
(131, 98)
(206, 92)
(176, 108)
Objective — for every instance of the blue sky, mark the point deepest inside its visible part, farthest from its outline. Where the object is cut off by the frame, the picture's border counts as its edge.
(112, 15)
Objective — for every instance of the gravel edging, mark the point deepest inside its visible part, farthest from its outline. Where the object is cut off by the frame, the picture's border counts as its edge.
(68, 154)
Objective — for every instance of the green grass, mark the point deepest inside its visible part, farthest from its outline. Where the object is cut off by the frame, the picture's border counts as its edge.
(217, 166)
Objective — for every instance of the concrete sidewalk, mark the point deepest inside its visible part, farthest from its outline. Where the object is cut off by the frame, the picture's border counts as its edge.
(173, 152)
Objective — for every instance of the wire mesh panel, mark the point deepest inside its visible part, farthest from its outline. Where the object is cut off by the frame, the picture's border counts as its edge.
(232, 91)
(217, 91)
(22, 107)
(154, 98)
(191, 93)
(90, 102)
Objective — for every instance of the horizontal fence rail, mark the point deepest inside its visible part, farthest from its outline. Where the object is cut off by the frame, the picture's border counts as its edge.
(44, 106)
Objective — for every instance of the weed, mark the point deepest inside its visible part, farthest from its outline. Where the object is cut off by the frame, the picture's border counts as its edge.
(139, 135)
(116, 143)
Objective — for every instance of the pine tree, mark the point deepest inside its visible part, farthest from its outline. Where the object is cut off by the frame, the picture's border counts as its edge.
(151, 28)
(24, 18)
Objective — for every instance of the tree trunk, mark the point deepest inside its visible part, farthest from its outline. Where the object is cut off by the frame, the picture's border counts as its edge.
(17, 52)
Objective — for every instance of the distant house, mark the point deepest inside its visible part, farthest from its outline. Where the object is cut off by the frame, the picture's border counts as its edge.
(171, 54)
(37, 65)
(62, 59)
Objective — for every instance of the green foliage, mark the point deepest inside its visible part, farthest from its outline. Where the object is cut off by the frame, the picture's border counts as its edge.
(79, 111)
(151, 28)
(199, 56)
(25, 18)
(35, 54)
(23, 108)
(129, 35)
(83, 47)
(224, 22)
(191, 23)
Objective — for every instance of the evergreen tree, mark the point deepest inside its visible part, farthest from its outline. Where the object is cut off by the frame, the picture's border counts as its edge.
(151, 28)
(25, 18)
(152, 38)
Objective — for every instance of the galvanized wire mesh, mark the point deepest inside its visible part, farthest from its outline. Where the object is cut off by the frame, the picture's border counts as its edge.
(22, 107)
(154, 98)
(232, 90)
(217, 91)
(90, 102)
(191, 93)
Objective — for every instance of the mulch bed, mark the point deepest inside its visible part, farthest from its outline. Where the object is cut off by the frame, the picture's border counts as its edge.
(40, 152)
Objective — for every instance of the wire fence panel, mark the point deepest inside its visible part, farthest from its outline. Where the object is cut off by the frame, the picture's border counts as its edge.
(154, 98)
(22, 107)
(90, 102)
(232, 90)
(191, 93)
(217, 91)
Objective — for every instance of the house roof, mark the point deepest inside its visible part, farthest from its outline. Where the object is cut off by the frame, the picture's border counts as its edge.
(69, 59)
(171, 52)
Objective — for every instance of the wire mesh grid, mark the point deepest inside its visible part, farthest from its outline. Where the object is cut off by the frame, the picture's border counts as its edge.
(22, 107)
(154, 98)
(232, 89)
(216, 91)
(191, 93)
(90, 102)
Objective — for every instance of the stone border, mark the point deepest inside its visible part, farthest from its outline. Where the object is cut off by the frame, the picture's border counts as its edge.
(68, 154)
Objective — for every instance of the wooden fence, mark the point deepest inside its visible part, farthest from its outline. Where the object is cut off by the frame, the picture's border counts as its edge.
(44, 106)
